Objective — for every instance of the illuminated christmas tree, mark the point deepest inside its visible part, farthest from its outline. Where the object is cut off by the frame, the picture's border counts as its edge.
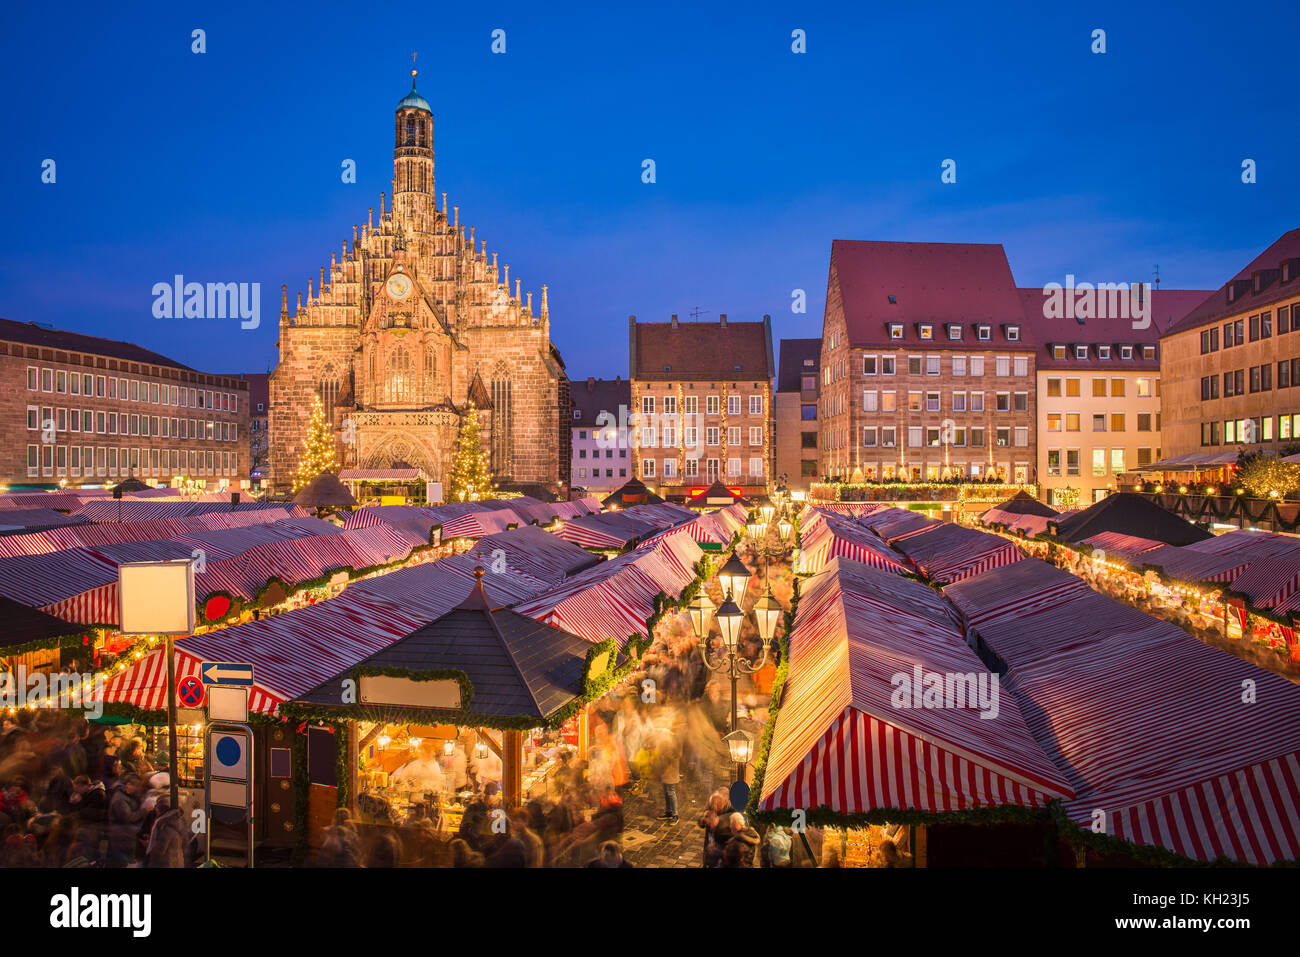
(470, 478)
(319, 455)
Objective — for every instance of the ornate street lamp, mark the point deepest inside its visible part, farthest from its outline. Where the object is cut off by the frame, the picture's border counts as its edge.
(785, 527)
(756, 530)
(767, 511)
(767, 613)
(730, 618)
(700, 608)
(740, 744)
(734, 578)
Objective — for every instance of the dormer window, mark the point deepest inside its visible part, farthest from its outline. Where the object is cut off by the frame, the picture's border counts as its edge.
(926, 330)
(1058, 352)
(577, 414)
(1286, 271)
(1013, 333)
(954, 332)
(1148, 352)
(1126, 352)
(1103, 352)
(1081, 352)
(893, 300)
(895, 330)
(983, 333)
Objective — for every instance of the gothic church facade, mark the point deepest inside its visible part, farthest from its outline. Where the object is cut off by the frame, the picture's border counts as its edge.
(413, 325)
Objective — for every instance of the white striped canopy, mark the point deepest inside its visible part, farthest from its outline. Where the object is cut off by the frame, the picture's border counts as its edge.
(1150, 727)
(294, 652)
(1121, 546)
(949, 553)
(827, 535)
(841, 741)
(91, 534)
(615, 599)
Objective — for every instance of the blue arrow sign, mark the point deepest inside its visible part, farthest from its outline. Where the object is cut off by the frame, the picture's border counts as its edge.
(227, 673)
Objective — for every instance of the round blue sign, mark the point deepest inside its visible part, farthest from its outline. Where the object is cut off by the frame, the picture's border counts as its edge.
(228, 751)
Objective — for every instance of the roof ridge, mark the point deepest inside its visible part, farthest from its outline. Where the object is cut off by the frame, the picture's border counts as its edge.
(505, 644)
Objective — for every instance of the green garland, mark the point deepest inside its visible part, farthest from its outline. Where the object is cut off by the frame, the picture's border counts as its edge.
(46, 644)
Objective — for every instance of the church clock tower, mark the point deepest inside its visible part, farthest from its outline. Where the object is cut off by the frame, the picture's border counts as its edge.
(413, 194)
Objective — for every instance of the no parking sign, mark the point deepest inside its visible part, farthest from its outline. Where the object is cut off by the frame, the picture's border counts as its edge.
(189, 692)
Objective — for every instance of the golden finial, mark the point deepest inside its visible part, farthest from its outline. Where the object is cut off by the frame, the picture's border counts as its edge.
(414, 71)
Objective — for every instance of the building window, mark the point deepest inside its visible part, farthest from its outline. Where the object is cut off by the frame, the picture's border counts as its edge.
(712, 404)
(647, 468)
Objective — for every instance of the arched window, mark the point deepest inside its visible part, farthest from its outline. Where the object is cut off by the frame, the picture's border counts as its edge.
(398, 383)
(501, 445)
(328, 389)
(410, 130)
(429, 392)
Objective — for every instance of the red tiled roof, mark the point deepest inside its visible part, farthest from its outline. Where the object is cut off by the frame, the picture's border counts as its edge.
(590, 397)
(701, 350)
(1167, 307)
(930, 282)
(29, 333)
(1216, 306)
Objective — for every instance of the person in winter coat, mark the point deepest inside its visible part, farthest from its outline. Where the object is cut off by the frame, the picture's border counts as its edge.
(742, 844)
(169, 839)
(124, 816)
(668, 772)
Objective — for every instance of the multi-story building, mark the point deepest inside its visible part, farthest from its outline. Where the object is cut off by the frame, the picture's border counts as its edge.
(701, 405)
(926, 369)
(1099, 391)
(600, 462)
(797, 385)
(259, 419)
(95, 411)
(1231, 366)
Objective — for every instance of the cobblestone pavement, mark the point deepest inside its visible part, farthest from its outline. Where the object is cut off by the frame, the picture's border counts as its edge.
(650, 842)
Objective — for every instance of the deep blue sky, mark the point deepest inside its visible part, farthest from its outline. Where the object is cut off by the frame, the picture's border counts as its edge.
(225, 166)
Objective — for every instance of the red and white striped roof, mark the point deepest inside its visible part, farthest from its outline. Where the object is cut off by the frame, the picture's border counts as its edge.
(1148, 724)
(949, 553)
(826, 536)
(293, 652)
(841, 742)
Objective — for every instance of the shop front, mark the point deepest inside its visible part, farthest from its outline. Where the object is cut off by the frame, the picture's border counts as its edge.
(483, 707)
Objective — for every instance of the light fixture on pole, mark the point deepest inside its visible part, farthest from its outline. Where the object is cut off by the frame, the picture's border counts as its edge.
(767, 613)
(734, 577)
(784, 527)
(700, 608)
(756, 530)
(730, 618)
(740, 745)
(767, 511)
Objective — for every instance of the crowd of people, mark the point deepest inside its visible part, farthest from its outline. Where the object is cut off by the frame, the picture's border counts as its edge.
(72, 794)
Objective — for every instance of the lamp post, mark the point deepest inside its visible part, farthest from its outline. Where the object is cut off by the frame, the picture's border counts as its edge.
(734, 579)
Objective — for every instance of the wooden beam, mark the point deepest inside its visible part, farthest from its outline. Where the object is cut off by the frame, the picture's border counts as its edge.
(512, 768)
(490, 743)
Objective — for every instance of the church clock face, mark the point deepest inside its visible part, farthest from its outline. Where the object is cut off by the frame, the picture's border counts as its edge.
(399, 286)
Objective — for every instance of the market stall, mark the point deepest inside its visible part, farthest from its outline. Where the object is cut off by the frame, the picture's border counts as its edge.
(421, 720)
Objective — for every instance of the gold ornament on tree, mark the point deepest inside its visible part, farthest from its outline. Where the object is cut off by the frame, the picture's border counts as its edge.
(319, 454)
